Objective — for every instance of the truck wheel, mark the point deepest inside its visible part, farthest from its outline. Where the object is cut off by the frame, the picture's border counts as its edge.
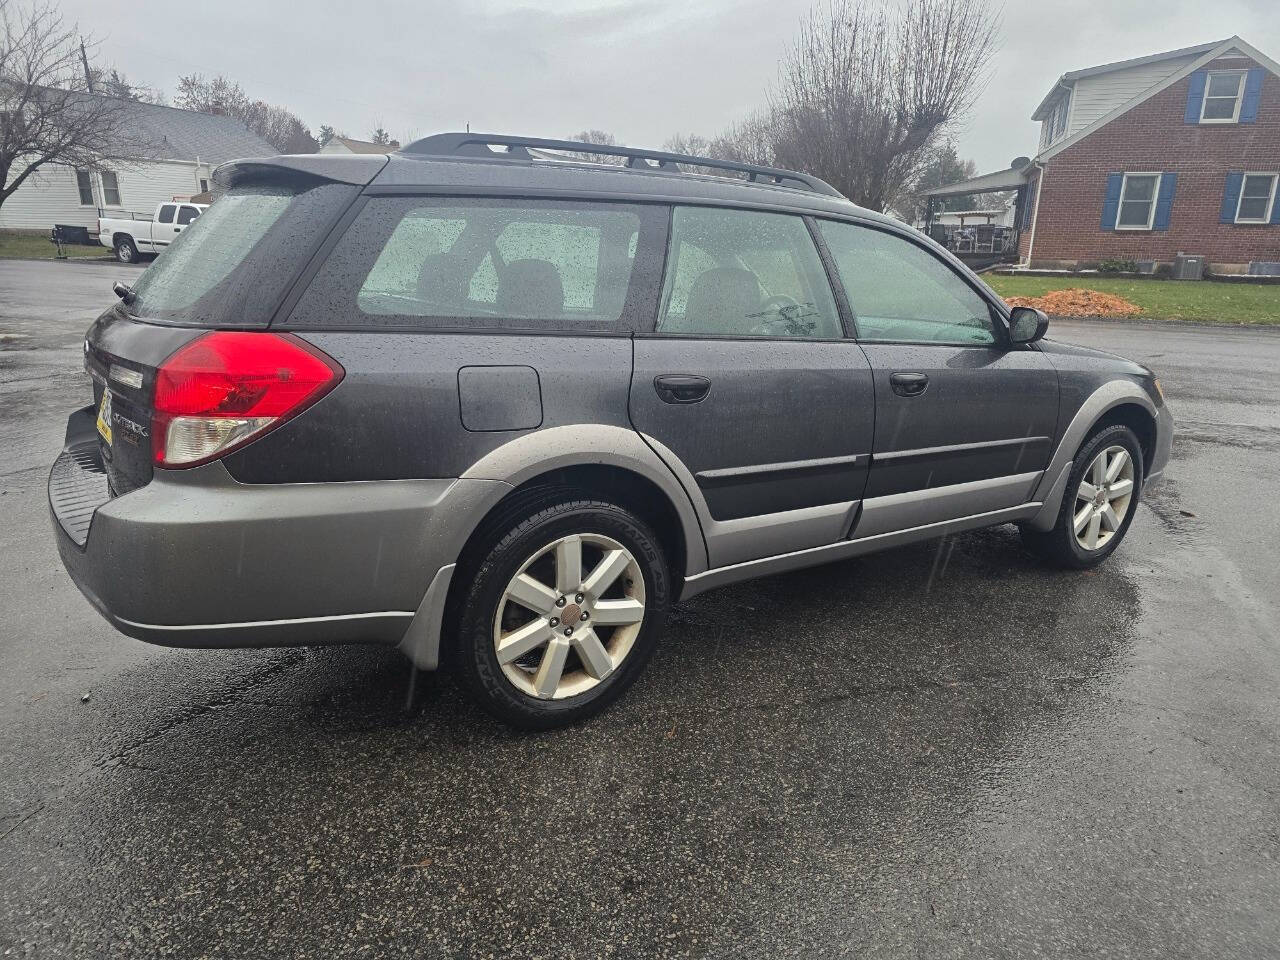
(126, 252)
(561, 612)
(1100, 501)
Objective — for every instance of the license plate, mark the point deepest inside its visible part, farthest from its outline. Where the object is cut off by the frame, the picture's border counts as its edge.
(104, 416)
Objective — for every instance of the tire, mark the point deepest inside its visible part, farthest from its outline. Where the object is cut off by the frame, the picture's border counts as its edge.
(126, 252)
(531, 542)
(1062, 545)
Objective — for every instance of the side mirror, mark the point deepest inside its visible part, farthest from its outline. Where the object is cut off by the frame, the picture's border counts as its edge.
(1027, 324)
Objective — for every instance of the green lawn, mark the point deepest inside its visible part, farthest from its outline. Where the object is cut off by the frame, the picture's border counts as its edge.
(26, 244)
(1204, 301)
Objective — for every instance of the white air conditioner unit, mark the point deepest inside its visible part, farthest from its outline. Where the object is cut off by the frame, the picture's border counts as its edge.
(1188, 268)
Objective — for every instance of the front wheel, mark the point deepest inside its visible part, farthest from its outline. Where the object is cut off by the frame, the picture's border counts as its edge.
(1099, 503)
(126, 252)
(562, 613)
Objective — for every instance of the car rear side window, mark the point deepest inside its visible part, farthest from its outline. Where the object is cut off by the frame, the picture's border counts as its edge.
(900, 292)
(232, 266)
(450, 262)
(744, 273)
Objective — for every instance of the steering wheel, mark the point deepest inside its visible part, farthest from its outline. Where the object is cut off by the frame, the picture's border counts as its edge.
(780, 303)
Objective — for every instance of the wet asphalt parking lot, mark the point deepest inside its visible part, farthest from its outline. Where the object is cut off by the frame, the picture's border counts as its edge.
(946, 750)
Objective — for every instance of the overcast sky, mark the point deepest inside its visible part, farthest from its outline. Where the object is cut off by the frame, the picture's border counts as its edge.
(641, 70)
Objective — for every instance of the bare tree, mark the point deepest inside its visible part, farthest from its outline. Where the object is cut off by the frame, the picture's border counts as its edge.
(601, 137)
(278, 126)
(46, 116)
(865, 94)
(111, 82)
(747, 141)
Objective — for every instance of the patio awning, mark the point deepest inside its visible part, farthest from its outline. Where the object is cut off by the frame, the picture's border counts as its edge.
(987, 183)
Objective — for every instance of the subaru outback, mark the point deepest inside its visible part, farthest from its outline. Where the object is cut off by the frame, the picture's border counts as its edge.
(500, 407)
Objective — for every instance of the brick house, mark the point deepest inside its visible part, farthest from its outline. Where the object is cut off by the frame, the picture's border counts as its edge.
(1145, 159)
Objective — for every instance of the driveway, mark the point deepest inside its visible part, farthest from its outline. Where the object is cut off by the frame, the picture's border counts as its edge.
(945, 750)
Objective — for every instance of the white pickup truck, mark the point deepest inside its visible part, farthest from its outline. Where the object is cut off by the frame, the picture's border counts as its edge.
(130, 237)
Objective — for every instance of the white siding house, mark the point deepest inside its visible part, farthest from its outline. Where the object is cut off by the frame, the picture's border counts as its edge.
(1082, 97)
(184, 147)
(1096, 96)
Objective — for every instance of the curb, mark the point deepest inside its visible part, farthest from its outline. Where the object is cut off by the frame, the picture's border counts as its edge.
(1272, 329)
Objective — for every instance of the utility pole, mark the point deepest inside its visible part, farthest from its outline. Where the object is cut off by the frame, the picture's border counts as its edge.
(84, 59)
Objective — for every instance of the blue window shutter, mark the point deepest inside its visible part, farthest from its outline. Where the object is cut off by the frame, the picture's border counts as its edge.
(1252, 96)
(1195, 95)
(1164, 200)
(1111, 203)
(1231, 197)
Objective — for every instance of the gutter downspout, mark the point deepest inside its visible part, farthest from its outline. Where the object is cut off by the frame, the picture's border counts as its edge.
(1035, 210)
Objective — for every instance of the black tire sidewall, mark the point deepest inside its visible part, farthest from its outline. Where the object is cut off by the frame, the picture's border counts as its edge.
(475, 658)
(1064, 532)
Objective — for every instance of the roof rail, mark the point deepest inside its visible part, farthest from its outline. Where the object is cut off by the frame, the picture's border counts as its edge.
(481, 144)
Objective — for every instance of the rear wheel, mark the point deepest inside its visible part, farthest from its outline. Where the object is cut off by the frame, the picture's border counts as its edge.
(562, 613)
(1099, 503)
(126, 252)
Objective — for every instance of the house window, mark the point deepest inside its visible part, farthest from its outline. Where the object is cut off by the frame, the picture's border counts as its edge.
(1055, 124)
(1060, 118)
(1257, 196)
(204, 185)
(1138, 201)
(110, 189)
(1222, 95)
(86, 188)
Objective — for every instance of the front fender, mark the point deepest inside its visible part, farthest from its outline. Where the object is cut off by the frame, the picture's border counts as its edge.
(1053, 484)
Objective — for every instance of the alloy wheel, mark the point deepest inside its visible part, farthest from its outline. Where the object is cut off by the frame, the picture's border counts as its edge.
(1103, 498)
(569, 616)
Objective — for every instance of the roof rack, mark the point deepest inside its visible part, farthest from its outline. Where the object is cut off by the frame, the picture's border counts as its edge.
(517, 148)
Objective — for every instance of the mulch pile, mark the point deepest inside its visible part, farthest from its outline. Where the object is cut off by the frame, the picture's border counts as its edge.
(1078, 302)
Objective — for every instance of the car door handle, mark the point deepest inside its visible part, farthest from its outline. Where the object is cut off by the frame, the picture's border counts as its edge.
(681, 388)
(177, 229)
(908, 384)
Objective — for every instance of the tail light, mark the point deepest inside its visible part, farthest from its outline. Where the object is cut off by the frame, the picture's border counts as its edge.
(226, 388)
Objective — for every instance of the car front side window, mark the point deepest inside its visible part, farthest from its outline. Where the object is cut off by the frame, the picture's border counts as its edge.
(900, 292)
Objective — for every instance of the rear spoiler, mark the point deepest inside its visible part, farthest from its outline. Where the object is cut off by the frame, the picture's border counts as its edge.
(358, 169)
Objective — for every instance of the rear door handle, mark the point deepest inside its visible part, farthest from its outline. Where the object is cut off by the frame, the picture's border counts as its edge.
(681, 388)
(908, 384)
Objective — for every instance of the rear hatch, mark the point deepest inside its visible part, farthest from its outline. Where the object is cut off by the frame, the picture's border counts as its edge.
(230, 270)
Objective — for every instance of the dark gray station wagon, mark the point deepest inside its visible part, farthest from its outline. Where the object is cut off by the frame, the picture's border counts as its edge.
(502, 409)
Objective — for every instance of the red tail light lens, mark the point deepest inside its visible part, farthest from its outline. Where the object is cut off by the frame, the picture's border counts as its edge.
(226, 388)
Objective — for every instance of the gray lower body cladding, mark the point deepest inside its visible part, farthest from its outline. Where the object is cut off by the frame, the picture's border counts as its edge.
(195, 559)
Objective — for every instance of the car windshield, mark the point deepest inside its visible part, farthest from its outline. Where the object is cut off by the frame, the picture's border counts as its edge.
(232, 264)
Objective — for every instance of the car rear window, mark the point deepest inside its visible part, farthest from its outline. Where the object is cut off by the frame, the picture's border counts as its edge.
(466, 263)
(233, 264)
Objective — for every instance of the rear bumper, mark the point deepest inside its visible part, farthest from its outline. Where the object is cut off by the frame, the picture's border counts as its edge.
(195, 559)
